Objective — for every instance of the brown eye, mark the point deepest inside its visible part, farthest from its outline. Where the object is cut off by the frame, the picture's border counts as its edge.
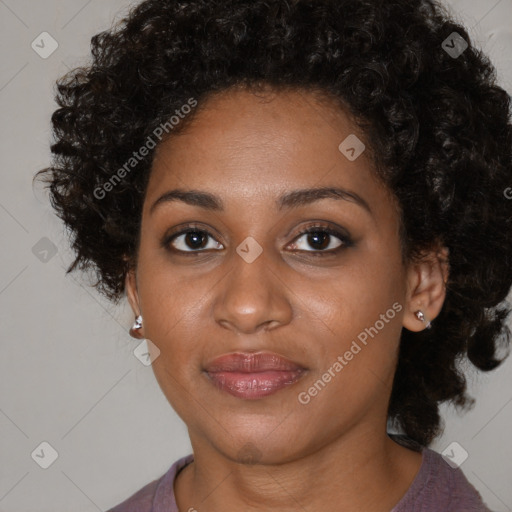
(322, 239)
(192, 240)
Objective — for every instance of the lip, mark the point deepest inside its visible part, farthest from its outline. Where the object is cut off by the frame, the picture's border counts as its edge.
(251, 362)
(253, 375)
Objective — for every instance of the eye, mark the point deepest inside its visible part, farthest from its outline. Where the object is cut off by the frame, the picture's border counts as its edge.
(192, 240)
(322, 240)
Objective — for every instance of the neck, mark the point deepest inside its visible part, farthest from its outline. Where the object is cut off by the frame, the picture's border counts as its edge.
(363, 471)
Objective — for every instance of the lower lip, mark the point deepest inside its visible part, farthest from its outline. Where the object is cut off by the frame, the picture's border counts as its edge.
(252, 386)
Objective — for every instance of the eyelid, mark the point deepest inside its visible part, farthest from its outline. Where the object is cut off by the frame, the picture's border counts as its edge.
(331, 229)
(192, 226)
(314, 226)
(184, 229)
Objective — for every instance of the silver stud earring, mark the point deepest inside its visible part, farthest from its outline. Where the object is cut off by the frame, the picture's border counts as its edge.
(421, 317)
(138, 323)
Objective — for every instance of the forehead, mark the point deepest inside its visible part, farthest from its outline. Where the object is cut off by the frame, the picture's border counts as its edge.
(248, 146)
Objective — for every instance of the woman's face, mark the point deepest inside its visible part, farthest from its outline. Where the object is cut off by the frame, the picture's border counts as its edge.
(316, 299)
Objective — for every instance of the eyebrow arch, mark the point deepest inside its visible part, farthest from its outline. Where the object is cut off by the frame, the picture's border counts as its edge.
(293, 199)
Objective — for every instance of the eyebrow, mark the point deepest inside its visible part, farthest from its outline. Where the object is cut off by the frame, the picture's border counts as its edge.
(293, 199)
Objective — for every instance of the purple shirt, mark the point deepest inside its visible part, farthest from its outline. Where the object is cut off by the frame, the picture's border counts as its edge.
(437, 488)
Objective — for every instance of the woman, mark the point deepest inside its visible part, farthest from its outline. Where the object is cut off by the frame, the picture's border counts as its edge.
(303, 202)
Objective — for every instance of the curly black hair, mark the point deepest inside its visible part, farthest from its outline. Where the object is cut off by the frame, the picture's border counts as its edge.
(439, 126)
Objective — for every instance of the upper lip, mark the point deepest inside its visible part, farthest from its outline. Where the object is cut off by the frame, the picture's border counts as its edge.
(246, 362)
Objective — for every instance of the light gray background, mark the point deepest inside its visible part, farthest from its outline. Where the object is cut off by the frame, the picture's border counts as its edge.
(68, 373)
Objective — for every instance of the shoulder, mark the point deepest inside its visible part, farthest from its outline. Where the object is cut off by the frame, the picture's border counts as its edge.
(141, 501)
(450, 486)
(440, 487)
(161, 488)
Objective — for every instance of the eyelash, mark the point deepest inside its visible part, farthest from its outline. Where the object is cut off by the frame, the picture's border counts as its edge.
(315, 228)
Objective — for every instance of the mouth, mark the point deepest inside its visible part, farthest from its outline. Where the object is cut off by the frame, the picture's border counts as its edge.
(253, 375)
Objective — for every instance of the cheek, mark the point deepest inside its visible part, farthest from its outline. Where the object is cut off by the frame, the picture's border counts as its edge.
(171, 307)
(354, 297)
(360, 317)
(356, 357)
(361, 332)
(171, 311)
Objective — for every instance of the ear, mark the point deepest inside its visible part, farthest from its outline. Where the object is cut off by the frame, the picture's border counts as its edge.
(426, 288)
(133, 299)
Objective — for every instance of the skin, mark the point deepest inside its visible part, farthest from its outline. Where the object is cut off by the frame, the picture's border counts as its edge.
(248, 149)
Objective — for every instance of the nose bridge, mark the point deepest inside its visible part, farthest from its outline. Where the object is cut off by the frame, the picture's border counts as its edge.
(252, 296)
(252, 271)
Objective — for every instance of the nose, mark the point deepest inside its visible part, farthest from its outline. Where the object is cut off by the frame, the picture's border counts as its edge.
(252, 297)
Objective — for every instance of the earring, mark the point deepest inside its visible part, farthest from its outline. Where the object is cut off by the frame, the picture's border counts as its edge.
(134, 331)
(421, 317)
(138, 323)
